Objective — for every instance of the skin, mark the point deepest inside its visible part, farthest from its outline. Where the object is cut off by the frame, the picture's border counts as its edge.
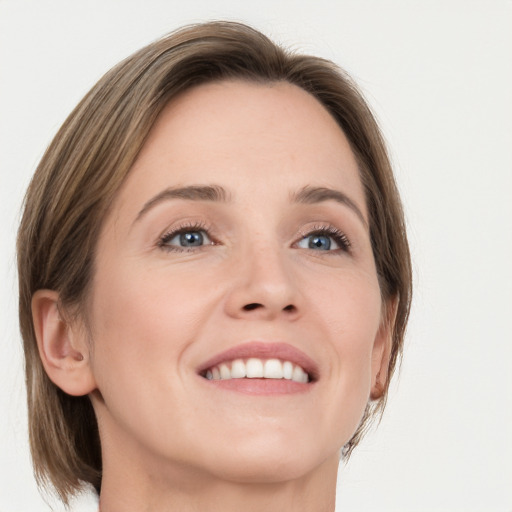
(171, 440)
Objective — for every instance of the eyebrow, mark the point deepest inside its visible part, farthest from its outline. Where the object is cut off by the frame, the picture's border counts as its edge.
(216, 193)
(314, 195)
(190, 193)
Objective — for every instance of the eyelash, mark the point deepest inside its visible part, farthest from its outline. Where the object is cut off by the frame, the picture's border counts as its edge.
(322, 230)
(164, 239)
(336, 234)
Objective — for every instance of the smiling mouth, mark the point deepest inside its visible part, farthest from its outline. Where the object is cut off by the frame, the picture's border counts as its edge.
(261, 368)
(255, 368)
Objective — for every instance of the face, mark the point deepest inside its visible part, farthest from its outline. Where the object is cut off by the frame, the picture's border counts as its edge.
(237, 246)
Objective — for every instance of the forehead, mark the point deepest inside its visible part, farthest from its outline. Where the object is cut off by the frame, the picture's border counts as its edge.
(248, 137)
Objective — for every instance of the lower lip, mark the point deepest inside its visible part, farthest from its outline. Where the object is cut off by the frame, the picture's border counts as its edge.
(261, 386)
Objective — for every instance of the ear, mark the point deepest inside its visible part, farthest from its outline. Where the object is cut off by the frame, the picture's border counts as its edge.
(382, 350)
(64, 350)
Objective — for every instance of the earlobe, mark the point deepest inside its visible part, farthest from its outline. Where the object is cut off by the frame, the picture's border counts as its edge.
(64, 351)
(382, 351)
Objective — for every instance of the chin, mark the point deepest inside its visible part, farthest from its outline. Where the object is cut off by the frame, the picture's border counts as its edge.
(271, 459)
(267, 470)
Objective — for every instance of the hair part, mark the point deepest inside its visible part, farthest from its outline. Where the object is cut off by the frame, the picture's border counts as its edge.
(88, 161)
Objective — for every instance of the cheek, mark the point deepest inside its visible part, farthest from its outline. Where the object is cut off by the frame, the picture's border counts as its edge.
(351, 313)
(135, 300)
(350, 305)
(357, 325)
(143, 323)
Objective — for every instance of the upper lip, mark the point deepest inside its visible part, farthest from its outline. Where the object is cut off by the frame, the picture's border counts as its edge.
(264, 350)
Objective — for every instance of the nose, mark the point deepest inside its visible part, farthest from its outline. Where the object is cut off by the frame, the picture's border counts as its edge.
(263, 287)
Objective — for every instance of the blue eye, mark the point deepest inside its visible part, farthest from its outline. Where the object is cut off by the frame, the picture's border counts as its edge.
(320, 242)
(185, 239)
(192, 239)
(325, 240)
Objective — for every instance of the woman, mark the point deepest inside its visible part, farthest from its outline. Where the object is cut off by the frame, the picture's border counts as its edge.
(214, 280)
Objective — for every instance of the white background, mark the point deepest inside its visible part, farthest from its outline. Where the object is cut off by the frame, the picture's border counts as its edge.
(439, 77)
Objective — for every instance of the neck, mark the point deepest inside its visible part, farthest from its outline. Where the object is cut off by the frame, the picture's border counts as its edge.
(188, 490)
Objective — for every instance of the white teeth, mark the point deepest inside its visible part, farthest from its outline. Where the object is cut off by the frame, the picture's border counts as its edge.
(273, 369)
(255, 368)
(238, 370)
(299, 375)
(287, 370)
(225, 372)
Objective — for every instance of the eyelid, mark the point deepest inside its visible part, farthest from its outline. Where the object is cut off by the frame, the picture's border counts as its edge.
(188, 226)
(328, 229)
(337, 234)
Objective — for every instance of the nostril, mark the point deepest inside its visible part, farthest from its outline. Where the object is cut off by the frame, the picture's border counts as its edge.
(256, 305)
(253, 305)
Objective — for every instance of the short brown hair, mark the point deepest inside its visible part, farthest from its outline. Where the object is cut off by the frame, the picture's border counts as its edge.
(89, 159)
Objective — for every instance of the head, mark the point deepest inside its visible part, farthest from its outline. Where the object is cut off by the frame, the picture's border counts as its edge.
(77, 193)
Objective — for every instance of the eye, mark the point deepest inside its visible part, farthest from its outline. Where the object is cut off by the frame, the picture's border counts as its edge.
(185, 238)
(325, 239)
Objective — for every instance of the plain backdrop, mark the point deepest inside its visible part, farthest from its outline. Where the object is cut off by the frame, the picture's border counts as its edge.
(438, 75)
